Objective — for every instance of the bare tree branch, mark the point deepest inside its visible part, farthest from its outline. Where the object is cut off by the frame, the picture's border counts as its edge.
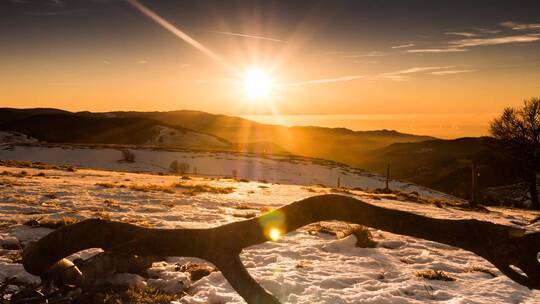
(501, 245)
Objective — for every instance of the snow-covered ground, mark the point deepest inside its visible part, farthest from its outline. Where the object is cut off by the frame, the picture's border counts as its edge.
(299, 268)
(10, 138)
(286, 169)
(185, 138)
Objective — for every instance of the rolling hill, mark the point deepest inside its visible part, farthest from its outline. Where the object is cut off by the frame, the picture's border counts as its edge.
(445, 165)
(75, 128)
(337, 144)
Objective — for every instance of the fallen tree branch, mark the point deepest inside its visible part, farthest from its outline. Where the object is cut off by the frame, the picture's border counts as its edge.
(503, 246)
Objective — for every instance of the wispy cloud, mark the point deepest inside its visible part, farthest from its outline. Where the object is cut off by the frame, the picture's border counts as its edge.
(355, 54)
(450, 72)
(402, 75)
(248, 36)
(402, 46)
(521, 26)
(368, 54)
(464, 34)
(325, 80)
(438, 50)
(486, 31)
(496, 41)
(399, 75)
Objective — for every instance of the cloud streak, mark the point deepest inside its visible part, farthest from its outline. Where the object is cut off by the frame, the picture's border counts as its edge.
(438, 50)
(325, 80)
(248, 36)
(403, 46)
(181, 34)
(450, 72)
(399, 75)
(521, 26)
(495, 41)
(464, 34)
(402, 75)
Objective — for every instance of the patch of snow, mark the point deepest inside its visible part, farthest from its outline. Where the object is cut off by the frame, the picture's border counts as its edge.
(11, 138)
(271, 168)
(170, 137)
(299, 268)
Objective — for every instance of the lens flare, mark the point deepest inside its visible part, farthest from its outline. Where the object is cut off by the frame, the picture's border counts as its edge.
(273, 225)
(274, 234)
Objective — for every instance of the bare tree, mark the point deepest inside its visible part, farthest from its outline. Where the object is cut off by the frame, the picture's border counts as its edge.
(519, 130)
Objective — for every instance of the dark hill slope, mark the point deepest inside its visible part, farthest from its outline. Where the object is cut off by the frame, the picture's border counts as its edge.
(338, 144)
(11, 114)
(75, 128)
(445, 165)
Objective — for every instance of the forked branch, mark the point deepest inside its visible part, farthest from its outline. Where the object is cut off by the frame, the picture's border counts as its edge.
(502, 245)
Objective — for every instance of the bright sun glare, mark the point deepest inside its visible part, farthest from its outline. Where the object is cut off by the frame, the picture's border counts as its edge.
(274, 234)
(257, 83)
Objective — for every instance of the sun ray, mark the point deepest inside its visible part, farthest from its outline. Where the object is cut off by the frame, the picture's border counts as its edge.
(181, 34)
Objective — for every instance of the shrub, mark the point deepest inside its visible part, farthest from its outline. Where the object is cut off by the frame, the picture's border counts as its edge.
(177, 167)
(127, 156)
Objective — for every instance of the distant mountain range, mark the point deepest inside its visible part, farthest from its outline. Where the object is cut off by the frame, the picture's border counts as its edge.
(440, 164)
(57, 126)
(338, 144)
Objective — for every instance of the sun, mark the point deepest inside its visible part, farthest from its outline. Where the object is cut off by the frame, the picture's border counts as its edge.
(257, 83)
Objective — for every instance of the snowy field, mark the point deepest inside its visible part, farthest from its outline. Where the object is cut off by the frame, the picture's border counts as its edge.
(292, 170)
(301, 267)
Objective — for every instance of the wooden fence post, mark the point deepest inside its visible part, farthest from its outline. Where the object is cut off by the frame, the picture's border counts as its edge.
(387, 176)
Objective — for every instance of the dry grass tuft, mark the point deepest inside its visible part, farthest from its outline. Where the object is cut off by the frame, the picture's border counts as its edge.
(321, 228)
(197, 271)
(479, 268)
(117, 295)
(151, 188)
(51, 223)
(363, 235)
(265, 209)
(364, 238)
(244, 206)
(342, 190)
(431, 274)
(247, 215)
(35, 165)
(187, 188)
(194, 189)
(15, 174)
(310, 189)
(382, 191)
(304, 264)
(10, 183)
(106, 185)
(15, 256)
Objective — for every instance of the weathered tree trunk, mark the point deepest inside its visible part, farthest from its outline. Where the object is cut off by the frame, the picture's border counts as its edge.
(501, 245)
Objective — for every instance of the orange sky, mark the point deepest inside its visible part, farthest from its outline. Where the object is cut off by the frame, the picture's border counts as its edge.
(80, 58)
